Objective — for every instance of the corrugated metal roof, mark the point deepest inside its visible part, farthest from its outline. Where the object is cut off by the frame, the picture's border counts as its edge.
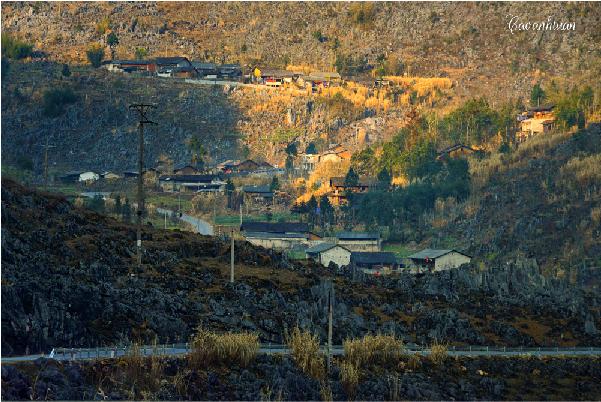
(271, 235)
(275, 227)
(433, 253)
(197, 178)
(318, 248)
(357, 236)
(380, 257)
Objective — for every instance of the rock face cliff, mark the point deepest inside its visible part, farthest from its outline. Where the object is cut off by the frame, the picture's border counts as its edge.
(70, 279)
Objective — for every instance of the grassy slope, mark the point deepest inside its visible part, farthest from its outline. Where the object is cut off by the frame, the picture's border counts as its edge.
(536, 201)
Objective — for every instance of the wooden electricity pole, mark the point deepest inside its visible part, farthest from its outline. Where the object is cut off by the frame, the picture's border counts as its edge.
(232, 258)
(46, 146)
(142, 109)
(330, 324)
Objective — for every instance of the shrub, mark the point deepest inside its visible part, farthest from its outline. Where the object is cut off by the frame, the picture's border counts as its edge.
(438, 353)
(66, 71)
(305, 351)
(55, 100)
(95, 54)
(209, 347)
(373, 349)
(141, 53)
(13, 48)
(103, 25)
(414, 361)
(362, 13)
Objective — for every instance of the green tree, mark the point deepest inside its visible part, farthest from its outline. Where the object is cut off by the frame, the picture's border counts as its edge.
(364, 162)
(97, 204)
(15, 49)
(473, 122)
(141, 53)
(311, 149)
(326, 211)
(230, 188)
(351, 179)
(66, 71)
(275, 184)
(537, 95)
(5, 67)
(291, 151)
(198, 152)
(126, 211)
(312, 209)
(112, 40)
(118, 206)
(384, 178)
(55, 100)
(95, 54)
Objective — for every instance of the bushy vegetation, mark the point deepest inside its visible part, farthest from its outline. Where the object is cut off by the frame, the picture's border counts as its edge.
(14, 48)
(438, 353)
(305, 352)
(210, 348)
(55, 100)
(362, 13)
(95, 54)
(373, 350)
(140, 53)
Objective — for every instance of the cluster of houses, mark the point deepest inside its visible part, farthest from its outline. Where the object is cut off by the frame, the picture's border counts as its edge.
(182, 67)
(534, 121)
(178, 67)
(358, 250)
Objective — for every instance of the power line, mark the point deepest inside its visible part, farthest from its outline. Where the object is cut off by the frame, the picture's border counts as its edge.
(142, 109)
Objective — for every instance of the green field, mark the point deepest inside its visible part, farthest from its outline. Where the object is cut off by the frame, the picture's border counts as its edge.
(168, 201)
(401, 250)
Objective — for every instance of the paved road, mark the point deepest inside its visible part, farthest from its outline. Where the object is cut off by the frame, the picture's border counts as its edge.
(199, 225)
(241, 84)
(183, 349)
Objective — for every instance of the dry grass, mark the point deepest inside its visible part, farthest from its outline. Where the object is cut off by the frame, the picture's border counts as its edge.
(596, 214)
(373, 349)
(305, 351)
(414, 362)
(349, 377)
(585, 170)
(209, 347)
(438, 353)
(424, 86)
(325, 391)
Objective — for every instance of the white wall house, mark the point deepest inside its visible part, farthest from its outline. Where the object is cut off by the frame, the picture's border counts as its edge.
(358, 241)
(438, 260)
(324, 253)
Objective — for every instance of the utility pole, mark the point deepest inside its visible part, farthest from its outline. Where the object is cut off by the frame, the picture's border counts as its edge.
(142, 109)
(232, 258)
(46, 146)
(240, 214)
(330, 319)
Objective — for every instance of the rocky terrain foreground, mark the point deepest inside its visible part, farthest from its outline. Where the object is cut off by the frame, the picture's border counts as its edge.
(69, 279)
(278, 378)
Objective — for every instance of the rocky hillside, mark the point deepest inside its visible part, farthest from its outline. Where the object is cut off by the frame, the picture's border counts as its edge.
(277, 377)
(69, 279)
(468, 41)
(97, 131)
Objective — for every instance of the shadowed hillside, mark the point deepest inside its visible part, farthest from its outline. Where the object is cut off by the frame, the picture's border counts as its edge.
(67, 281)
